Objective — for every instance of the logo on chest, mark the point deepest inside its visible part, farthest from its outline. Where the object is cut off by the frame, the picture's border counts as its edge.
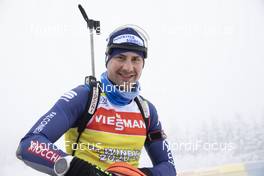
(118, 122)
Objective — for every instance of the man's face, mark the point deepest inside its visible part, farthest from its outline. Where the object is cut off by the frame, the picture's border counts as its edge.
(125, 69)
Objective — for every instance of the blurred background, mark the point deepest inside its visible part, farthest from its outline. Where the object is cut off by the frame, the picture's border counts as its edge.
(204, 74)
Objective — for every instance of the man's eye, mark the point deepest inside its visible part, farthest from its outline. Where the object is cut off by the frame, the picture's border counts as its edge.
(136, 59)
(120, 57)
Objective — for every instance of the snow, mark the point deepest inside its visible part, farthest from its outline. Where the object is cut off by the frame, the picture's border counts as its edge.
(204, 72)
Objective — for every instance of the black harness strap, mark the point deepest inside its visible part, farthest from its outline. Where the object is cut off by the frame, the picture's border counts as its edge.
(90, 108)
(143, 110)
(156, 135)
(153, 135)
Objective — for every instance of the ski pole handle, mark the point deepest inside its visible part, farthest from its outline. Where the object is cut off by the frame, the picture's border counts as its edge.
(83, 13)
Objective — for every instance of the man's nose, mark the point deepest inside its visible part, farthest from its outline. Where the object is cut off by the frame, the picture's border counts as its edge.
(128, 66)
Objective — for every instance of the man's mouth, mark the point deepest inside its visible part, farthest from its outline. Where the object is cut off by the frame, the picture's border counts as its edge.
(126, 77)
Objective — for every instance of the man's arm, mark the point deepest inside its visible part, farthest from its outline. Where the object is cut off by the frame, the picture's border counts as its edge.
(158, 150)
(36, 148)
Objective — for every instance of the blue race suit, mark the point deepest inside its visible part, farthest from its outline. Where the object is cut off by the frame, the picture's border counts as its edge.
(37, 147)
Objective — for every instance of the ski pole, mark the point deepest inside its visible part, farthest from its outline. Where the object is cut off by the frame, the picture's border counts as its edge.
(92, 25)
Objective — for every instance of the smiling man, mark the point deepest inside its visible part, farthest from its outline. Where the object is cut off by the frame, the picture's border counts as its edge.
(124, 69)
(115, 133)
(125, 56)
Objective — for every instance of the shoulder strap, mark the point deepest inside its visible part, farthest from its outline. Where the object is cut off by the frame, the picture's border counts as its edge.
(90, 108)
(144, 109)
